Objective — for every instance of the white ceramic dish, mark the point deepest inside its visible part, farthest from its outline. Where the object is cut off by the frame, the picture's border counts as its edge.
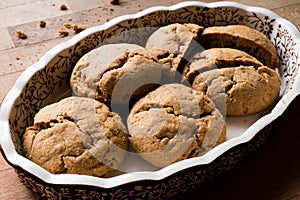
(47, 81)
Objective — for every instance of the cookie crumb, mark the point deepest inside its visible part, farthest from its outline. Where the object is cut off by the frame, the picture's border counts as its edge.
(114, 2)
(67, 25)
(78, 28)
(17, 58)
(63, 7)
(111, 9)
(63, 32)
(43, 23)
(21, 34)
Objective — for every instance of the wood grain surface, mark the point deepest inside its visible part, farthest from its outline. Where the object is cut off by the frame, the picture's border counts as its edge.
(272, 172)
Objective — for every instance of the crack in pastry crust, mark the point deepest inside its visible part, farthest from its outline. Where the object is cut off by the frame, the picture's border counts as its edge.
(243, 38)
(92, 65)
(76, 135)
(248, 89)
(217, 58)
(134, 75)
(174, 120)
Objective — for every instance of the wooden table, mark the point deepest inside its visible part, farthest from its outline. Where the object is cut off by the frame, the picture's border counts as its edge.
(273, 172)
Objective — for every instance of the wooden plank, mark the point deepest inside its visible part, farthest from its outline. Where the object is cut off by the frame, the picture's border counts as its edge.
(291, 13)
(31, 12)
(18, 59)
(5, 39)
(12, 188)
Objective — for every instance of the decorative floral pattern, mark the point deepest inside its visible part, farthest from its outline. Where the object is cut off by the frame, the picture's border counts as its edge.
(52, 83)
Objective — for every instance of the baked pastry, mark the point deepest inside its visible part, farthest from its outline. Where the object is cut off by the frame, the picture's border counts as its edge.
(243, 38)
(173, 123)
(76, 135)
(248, 90)
(89, 69)
(216, 58)
(131, 76)
(180, 39)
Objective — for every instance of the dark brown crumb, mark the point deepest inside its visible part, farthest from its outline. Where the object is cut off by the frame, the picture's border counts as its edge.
(107, 19)
(63, 7)
(42, 23)
(78, 28)
(115, 2)
(63, 32)
(21, 34)
(17, 58)
(111, 9)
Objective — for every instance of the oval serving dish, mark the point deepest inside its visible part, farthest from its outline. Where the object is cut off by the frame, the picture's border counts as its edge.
(48, 81)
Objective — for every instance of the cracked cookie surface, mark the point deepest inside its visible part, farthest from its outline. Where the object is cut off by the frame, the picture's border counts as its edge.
(180, 39)
(243, 38)
(76, 135)
(173, 123)
(248, 90)
(217, 58)
(133, 75)
(92, 65)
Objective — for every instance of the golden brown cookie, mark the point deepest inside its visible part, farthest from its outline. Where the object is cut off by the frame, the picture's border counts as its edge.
(92, 65)
(180, 39)
(243, 38)
(76, 135)
(248, 90)
(173, 123)
(218, 58)
(133, 75)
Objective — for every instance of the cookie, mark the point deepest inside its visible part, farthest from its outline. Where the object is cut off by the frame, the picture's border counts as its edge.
(243, 38)
(248, 90)
(92, 65)
(173, 123)
(218, 58)
(167, 58)
(180, 39)
(76, 135)
(131, 76)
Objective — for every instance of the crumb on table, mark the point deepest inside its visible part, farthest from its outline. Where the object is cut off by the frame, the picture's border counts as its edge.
(21, 34)
(63, 32)
(115, 2)
(67, 25)
(78, 28)
(63, 7)
(42, 23)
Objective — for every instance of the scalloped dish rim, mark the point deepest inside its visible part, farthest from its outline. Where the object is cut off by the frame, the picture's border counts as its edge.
(73, 179)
